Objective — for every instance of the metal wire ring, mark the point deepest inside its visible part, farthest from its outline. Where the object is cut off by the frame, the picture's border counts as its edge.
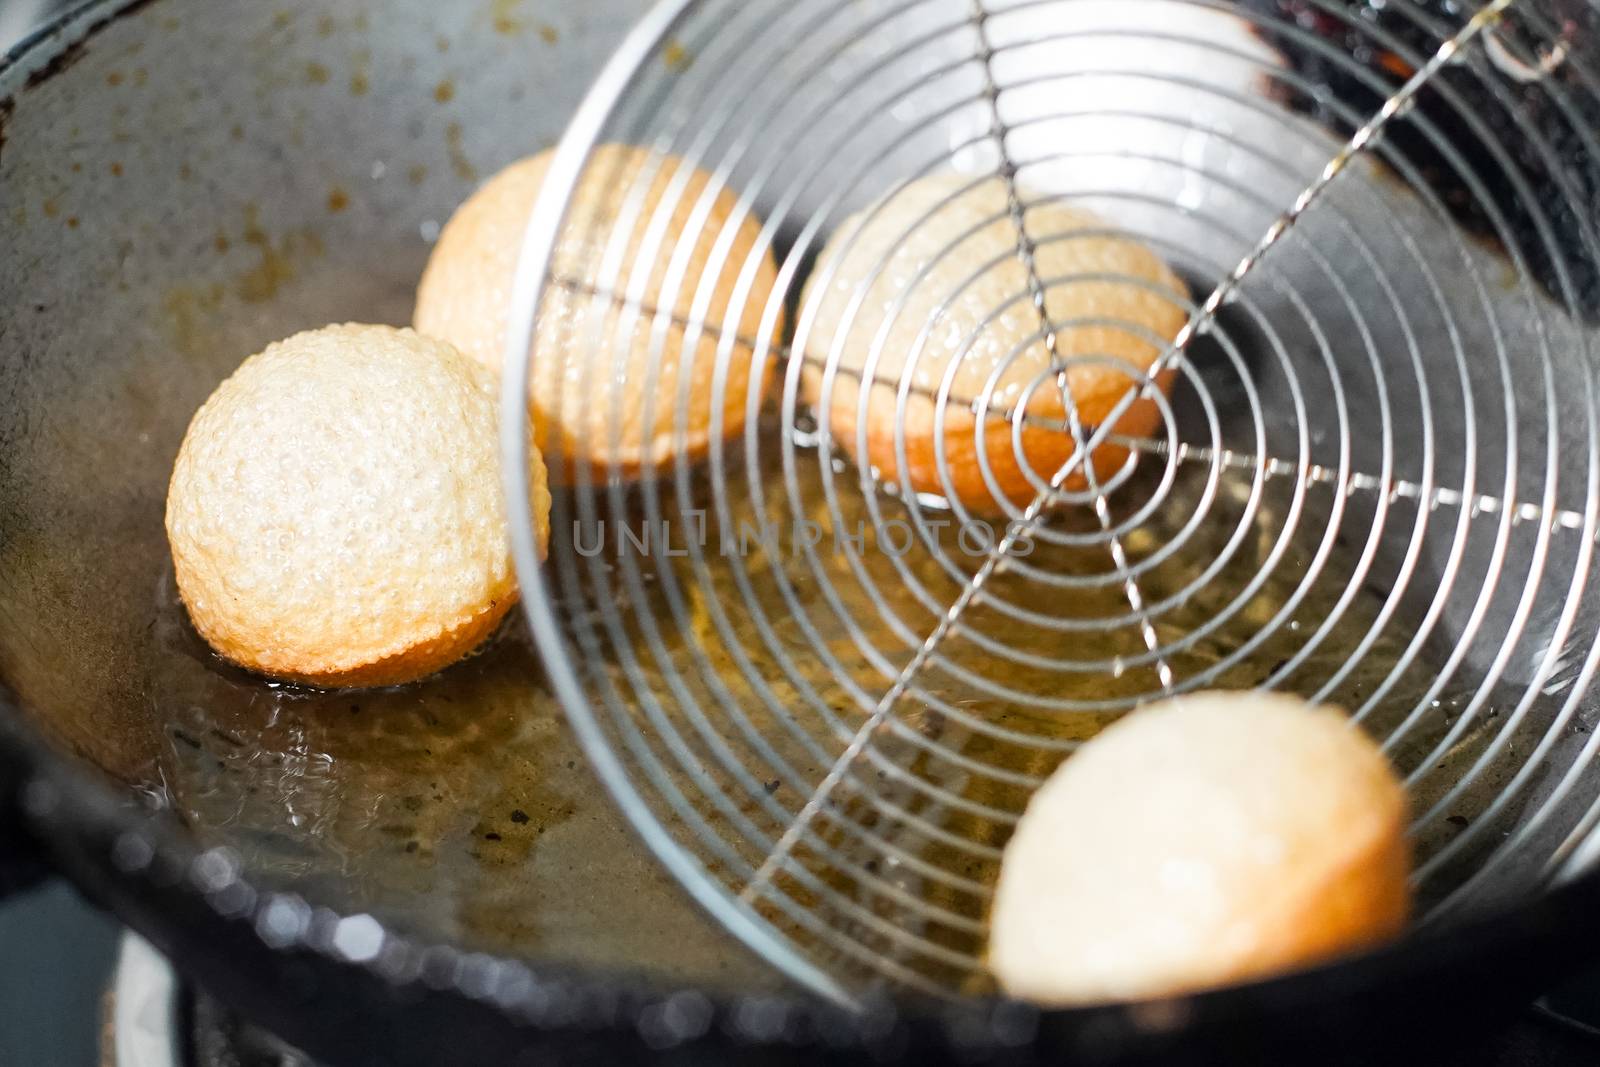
(828, 742)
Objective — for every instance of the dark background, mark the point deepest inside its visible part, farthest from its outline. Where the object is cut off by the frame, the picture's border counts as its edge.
(56, 954)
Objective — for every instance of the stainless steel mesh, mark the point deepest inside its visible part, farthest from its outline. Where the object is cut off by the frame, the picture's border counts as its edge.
(824, 696)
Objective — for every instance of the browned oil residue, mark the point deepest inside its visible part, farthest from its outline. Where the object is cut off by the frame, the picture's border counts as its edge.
(237, 133)
(676, 57)
(317, 74)
(72, 222)
(445, 91)
(115, 78)
(442, 43)
(548, 34)
(185, 172)
(62, 61)
(458, 156)
(52, 208)
(325, 26)
(188, 309)
(361, 74)
(506, 16)
(361, 21)
(141, 75)
(281, 20)
(417, 174)
(276, 266)
(338, 200)
(116, 170)
(221, 243)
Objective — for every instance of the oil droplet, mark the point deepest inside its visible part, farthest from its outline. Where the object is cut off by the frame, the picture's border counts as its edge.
(116, 170)
(51, 209)
(458, 157)
(676, 57)
(444, 92)
(548, 34)
(325, 26)
(1508, 279)
(506, 17)
(338, 200)
(114, 79)
(316, 73)
(417, 174)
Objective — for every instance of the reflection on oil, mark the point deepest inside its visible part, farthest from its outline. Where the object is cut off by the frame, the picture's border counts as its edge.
(455, 808)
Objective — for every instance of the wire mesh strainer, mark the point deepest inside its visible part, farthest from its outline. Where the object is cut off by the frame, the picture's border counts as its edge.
(823, 693)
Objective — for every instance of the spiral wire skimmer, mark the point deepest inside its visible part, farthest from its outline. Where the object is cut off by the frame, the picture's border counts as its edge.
(824, 694)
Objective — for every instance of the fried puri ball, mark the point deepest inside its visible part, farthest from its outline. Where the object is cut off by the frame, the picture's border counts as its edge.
(938, 266)
(594, 371)
(1205, 840)
(336, 516)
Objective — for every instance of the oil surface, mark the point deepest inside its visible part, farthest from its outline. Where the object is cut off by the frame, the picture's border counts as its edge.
(456, 808)
(732, 672)
(461, 807)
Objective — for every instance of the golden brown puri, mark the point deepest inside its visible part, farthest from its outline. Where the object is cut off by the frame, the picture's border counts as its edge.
(947, 276)
(594, 371)
(336, 516)
(1209, 839)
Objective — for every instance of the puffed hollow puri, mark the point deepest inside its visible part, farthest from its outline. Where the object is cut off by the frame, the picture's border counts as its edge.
(1206, 840)
(930, 278)
(608, 390)
(336, 515)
